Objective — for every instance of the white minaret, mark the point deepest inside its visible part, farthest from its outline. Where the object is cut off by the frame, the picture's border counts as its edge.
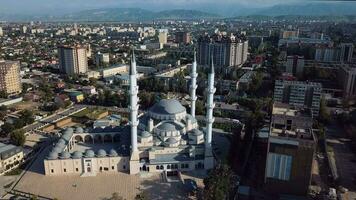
(133, 104)
(209, 160)
(193, 86)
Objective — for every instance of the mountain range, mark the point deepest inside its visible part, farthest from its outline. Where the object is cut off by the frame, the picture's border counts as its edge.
(204, 12)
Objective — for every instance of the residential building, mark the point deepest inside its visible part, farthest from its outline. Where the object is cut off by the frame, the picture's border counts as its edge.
(290, 152)
(10, 157)
(346, 53)
(227, 51)
(102, 59)
(347, 80)
(289, 34)
(327, 54)
(1, 32)
(162, 38)
(182, 37)
(299, 93)
(10, 80)
(73, 60)
(295, 65)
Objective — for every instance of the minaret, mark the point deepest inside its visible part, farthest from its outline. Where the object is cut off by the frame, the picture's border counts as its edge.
(209, 160)
(133, 103)
(193, 85)
(133, 107)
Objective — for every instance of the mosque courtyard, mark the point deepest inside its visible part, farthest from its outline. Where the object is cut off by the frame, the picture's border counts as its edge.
(101, 186)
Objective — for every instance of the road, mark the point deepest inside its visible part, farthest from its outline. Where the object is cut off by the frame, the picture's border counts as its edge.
(345, 159)
(54, 118)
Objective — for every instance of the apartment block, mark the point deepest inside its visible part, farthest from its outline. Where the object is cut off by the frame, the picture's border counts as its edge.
(10, 80)
(73, 60)
(299, 93)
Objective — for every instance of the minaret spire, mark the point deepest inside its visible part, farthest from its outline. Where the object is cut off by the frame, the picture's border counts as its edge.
(209, 160)
(193, 85)
(133, 104)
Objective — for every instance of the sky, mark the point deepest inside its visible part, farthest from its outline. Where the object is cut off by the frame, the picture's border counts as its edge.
(50, 6)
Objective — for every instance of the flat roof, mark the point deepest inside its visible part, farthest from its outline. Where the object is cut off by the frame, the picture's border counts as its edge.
(290, 110)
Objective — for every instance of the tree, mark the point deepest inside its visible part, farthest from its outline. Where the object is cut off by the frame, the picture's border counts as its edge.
(7, 128)
(142, 196)
(18, 137)
(217, 184)
(27, 117)
(115, 196)
(199, 107)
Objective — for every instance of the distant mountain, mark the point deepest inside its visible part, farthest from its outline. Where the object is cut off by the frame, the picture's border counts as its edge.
(134, 14)
(311, 9)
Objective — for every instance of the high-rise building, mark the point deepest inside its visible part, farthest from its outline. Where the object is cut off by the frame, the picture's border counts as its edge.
(347, 50)
(73, 59)
(347, 80)
(299, 93)
(290, 152)
(295, 65)
(162, 38)
(227, 51)
(182, 37)
(10, 81)
(102, 59)
(1, 32)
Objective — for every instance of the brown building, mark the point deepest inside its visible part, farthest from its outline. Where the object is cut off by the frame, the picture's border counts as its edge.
(182, 37)
(10, 81)
(291, 148)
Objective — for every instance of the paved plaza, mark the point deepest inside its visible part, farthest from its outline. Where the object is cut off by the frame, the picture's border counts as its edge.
(101, 186)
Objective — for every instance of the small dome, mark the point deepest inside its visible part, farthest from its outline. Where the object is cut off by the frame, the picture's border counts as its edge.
(61, 142)
(57, 149)
(68, 130)
(60, 145)
(101, 153)
(145, 134)
(89, 153)
(52, 155)
(65, 155)
(67, 136)
(171, 141)
(79, 130)
(77, 154)
(113, 153)
(169, 126)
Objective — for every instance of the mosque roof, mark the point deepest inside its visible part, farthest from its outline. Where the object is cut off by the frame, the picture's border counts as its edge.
(169, 126)
(167, 107)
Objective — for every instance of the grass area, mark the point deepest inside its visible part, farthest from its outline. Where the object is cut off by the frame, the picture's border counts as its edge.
(90, 113)
(14, 172)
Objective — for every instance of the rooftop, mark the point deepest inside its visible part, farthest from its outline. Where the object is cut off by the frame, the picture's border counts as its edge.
(289, 110)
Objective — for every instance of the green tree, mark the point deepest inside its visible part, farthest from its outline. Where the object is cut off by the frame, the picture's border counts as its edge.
(199, 107)
(141, 196)
(217, 184)
(7, 128)
(18, 137)
(116, 196)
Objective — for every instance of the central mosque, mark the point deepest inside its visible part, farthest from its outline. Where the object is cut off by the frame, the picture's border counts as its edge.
(164, 139)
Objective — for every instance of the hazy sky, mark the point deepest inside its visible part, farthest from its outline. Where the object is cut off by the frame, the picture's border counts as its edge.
(69, 5)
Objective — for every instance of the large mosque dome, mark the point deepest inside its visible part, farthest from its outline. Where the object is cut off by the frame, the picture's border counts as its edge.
(167, 109)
